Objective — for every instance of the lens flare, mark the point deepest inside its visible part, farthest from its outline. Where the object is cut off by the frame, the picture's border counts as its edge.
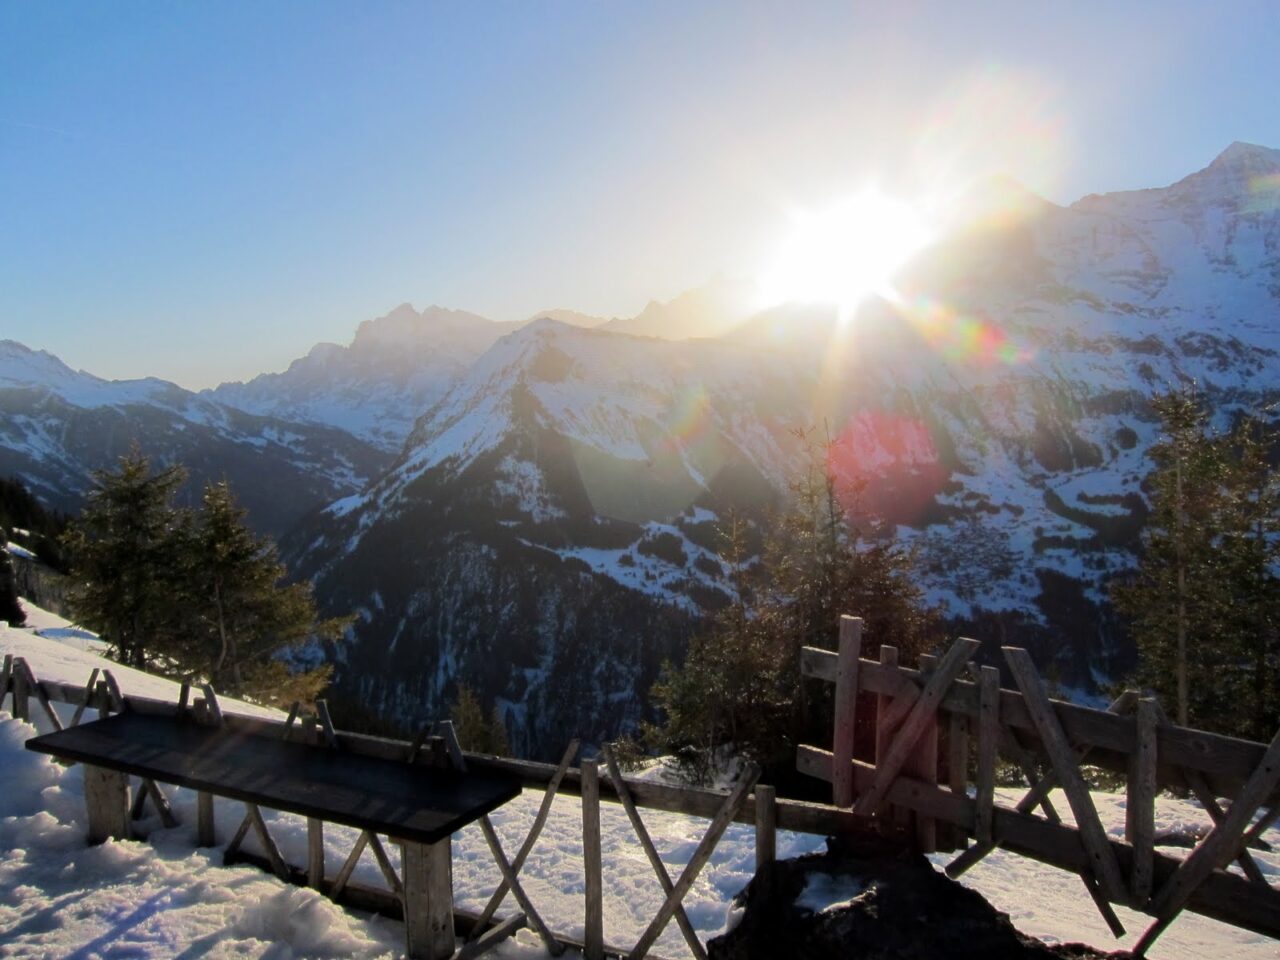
(960, 338)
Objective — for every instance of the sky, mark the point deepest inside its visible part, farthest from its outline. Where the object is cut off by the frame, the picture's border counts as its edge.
(203, 191)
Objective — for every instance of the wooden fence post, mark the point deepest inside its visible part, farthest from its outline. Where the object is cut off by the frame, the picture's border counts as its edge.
(923, 764)
(766, 825)
(21, 691)
(1140, 802)
(593, 921)
(845, 709)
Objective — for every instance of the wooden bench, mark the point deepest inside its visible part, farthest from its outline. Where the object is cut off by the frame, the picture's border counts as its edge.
(419, 806)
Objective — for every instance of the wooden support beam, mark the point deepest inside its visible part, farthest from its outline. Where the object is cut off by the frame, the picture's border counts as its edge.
(985, 794)
(766, 825)
(42, 696)
(1140, 803)
(1103, 860)
(912, 728)
(650, 851)
(846, 700)
(117, 698)
(268, 845)
(593, 920)
(106, 797)
(6, 677)
(213, 710)
(428, 900)
(1104, 908)
(722, 819)
(539, 821)
(1040, 792)
(1012, 747)
(349, 865)
(957, 768)
(21, 691)
(384, 864)
(491, 937)
(206, 835)
(922, 764)
(88, 695)
(315, 853)
(326, 724)
(1218, 848)
(554, 946)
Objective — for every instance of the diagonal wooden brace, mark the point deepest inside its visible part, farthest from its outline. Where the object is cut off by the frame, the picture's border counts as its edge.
(1102, 858)
(728, 810)
(1219, 847)
(554, 946)
(914, 725)
(481, 924)
(664, 878)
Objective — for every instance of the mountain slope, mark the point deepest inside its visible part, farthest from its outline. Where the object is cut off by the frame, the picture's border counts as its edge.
(566, 492)
(57, 426)
(394, 369)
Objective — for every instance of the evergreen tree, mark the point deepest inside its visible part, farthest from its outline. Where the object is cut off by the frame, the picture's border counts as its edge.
(1182, 601)
(740, 683)
(124, 557)
(239, 616)
(475, 733)
(1249, 552)
(10, 609)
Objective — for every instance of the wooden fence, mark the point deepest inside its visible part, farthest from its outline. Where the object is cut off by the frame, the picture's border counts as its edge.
(934, 726)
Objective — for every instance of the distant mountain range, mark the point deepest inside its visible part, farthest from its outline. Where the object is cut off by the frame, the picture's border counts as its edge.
(540, 517)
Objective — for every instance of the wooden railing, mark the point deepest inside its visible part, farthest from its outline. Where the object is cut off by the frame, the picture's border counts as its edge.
(951, 717)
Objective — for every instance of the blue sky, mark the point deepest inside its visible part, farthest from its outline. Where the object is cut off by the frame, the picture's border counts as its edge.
(203, 191)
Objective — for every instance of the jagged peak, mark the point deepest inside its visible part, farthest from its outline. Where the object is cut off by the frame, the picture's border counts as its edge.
(1251, 156)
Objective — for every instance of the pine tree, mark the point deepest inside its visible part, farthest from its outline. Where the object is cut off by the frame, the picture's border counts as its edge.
(1249, 552)
(123, 558)
(239, 615)
(10, 610)
(475, 733)
(1179, 600)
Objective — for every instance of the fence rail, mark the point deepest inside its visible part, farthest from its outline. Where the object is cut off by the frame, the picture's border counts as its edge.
(950, 700)
(938, 733)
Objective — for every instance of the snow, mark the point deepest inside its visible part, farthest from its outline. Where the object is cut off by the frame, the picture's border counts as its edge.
(161, 897)
(18, 550)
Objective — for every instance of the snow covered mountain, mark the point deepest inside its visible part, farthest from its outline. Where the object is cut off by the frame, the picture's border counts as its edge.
(58, 425)
(550, 529)
(394, 369)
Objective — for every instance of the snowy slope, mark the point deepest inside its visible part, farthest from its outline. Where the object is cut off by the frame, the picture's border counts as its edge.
(58, 425)
(160, 897)
(394, 369)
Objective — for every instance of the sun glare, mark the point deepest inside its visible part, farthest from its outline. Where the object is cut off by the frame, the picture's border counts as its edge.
(846, 253)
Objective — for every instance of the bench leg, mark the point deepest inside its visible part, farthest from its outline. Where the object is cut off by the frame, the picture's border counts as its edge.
(205, 834)
(428, 900)
(106, 796)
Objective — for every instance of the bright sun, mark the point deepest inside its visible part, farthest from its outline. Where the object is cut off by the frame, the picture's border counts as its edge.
(845, 253)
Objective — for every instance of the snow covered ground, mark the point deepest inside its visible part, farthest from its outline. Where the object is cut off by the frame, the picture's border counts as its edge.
(163, 898)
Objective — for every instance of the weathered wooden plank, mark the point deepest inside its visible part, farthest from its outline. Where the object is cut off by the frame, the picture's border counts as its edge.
(88, 692)
(922, 763)
(349, 865)
(846, 700)
(766, 802)
(957, 767)
(384, 864)
(205, 831)
(411, 802)
(268, 845)
(1025, 761)
(21, 690)
(593, 899)
(1094, 890)
(490, 937)
(884, 704)
(1104, 866)
(326, 724)
(1228, 761)
(6, 675)
(459, 762)
(117, 698)
(42, 697)
(650, 851)
(1223, 896)
(1140, 803)
(315, 853)
(1219, 847)
(722, 819)
(212, 708)
(905, 739)
(1120, 706)
(988, 746)
(106, 797)
(539, 821)
(428, 900)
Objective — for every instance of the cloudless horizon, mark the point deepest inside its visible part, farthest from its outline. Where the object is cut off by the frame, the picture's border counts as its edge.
(201, 192)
